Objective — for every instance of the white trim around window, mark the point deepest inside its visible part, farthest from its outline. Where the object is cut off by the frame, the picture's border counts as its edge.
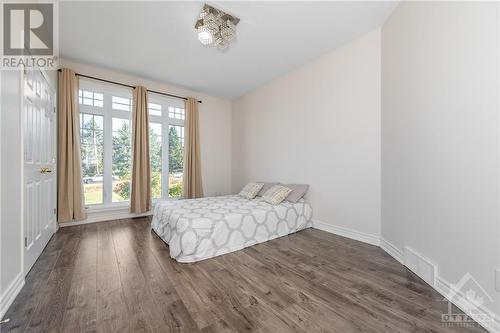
(165, 121)
(110, 102)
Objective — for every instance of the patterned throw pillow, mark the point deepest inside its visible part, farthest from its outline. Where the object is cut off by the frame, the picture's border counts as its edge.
(266, 187)
(250, 190)
(276, 194)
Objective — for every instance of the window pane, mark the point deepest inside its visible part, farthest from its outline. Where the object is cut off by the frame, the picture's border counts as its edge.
(175, 160)
(121, 160)
(90, 98)
(92, 144)
(156, 158)
(179, 113)
(176, 113)
(120, 103)
(87, 118)
(123, 107)
(119, 123)
(154, 109)
(120, 100)
(99, 123)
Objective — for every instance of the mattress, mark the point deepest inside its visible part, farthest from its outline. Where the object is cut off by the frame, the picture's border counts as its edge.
(198, 229)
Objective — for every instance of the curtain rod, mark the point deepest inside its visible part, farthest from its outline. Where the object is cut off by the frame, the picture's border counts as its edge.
(129, 86)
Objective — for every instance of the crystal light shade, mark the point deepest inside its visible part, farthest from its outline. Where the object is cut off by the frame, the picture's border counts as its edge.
(204, 36)
(228, 31)
(221, 43)
(216, 27)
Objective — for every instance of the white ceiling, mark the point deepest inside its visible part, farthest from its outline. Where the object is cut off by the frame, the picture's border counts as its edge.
(157, 40)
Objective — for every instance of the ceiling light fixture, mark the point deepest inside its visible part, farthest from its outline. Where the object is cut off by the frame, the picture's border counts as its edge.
(216, 27)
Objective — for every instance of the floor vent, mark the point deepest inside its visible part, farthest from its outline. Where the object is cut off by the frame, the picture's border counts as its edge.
(420, 265)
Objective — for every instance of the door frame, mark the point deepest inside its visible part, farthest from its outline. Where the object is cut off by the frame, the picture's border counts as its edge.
(53, 89)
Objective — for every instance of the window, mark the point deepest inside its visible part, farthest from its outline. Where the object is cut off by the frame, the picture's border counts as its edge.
(154, 109)
(92, 154)
(106, 144)
(155, 152)
(179, 133)
(105, 135)
(166, 146)
(90, 98)
(120, 103)
(121, 162)
(175, 160)
(176, 113)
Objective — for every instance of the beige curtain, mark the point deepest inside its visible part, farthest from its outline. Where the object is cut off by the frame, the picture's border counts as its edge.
(140, 200)
(70, 205)
(192, 184)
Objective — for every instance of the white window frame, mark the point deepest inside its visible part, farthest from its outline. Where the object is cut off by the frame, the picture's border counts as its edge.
(165, 122)
(108, 113)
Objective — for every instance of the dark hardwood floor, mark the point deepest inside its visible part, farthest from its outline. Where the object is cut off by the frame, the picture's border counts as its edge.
(118, 277)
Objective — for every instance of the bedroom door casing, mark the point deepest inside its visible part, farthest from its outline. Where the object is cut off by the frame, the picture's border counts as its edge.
(39, 138)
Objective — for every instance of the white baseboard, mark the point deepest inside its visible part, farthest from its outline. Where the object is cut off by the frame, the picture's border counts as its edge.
(392, 250)
(440, 284)
(9, 295)
(346, 232)
(104, 216)
(462, 302)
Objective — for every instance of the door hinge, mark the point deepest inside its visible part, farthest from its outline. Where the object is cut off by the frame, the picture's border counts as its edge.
(55, 211)
(25, 241)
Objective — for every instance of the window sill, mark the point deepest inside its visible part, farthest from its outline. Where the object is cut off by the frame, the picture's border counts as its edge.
(106, 213)
(120, 206)
(116, 211)
(107, 208)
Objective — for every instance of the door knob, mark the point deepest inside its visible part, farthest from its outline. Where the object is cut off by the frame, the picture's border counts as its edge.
(45, 170)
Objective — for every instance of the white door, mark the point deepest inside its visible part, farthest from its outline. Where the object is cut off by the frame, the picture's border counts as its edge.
(39, 131)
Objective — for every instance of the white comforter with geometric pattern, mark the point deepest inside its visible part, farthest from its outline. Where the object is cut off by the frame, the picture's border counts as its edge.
(199, 229)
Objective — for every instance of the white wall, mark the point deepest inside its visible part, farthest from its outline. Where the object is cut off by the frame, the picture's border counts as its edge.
(11, 215)
(320, 125)
(215, 125)
(497, 278)
(439, 135)
(2, 288)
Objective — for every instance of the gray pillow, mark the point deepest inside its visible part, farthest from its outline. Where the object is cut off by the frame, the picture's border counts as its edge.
(266, 187)
(298, 191)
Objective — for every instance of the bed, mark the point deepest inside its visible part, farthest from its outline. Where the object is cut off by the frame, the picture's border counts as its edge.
(199, 229)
